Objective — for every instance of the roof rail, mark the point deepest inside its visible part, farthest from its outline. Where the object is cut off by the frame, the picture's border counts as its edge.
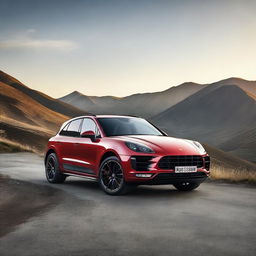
(133, 116)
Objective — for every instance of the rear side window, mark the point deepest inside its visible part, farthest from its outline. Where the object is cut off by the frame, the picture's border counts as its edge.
(64, 130)
(72, 128)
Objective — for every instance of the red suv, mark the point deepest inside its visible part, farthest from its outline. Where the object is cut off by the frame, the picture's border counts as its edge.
(124, 151)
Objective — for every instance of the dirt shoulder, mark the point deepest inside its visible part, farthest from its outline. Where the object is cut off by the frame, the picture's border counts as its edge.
(21, 200)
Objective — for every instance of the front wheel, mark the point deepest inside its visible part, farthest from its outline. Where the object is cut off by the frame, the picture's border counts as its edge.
(111, 177)
(52, 170)
(186, 186)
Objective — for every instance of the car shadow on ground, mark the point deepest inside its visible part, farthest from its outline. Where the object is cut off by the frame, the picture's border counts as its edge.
(152, 191)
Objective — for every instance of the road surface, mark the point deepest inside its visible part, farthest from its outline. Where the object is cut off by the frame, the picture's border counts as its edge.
(216, 219)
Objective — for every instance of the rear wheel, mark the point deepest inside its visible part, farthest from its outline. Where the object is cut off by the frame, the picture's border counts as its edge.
(186, 186)
(52, 171)
(111, 177)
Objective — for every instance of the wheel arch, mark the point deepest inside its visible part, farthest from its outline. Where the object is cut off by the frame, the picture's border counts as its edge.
(106, 155)
(50, 150)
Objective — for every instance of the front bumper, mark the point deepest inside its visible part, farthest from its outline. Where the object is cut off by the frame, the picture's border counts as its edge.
(160, 176)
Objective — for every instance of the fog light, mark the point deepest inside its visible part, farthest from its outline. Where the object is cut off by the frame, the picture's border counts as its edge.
(143, 175)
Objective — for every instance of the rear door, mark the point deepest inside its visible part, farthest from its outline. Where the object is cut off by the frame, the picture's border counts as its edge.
(69, 142)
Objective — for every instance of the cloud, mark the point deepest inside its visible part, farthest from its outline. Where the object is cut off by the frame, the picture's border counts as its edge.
(30, 31)
(32, 43)
(27, 42)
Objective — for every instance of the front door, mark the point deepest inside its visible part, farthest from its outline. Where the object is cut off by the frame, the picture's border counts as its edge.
(87, 149)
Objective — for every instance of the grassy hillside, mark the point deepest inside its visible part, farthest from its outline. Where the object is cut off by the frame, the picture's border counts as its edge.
(27, 117)
(225, 166)
(18, 106)
(41, 98)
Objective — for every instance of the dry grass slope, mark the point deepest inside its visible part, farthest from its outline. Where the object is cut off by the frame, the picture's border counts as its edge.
(225, 166)
(18, 106)
(43, 99)
(25, 123)
(8, 146)
(219, 172)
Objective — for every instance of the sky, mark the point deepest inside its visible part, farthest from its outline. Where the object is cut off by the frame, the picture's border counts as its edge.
(123, 47)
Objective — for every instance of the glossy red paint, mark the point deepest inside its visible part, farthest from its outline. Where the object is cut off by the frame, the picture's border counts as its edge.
(82, 156)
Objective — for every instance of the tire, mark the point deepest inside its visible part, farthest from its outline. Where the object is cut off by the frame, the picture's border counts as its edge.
(52, 171)
(186, 186)
(111, 177)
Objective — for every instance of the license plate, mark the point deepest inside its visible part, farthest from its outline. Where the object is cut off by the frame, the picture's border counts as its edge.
(185, 169)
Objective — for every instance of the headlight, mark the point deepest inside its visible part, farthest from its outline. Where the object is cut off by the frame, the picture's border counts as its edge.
(199, 147)
(138, 148)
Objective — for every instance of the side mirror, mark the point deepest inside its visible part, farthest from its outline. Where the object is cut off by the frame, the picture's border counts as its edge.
(89, 134)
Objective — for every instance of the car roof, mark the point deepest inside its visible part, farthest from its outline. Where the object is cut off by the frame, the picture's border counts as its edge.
(109, 116)
(103, 116)
(95, 116)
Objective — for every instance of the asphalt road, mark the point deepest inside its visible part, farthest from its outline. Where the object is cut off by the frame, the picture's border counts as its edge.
(216, 219)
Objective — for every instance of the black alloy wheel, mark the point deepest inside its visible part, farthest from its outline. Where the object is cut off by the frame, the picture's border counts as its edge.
(52, 171)
(111, 177)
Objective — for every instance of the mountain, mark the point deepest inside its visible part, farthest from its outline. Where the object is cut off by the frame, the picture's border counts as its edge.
(248, 86)
(45, 100)
(143, 104)
(29, 117)
(215, 115)
(221, 114)
(243, 145)
(149, 104)
(91, 103)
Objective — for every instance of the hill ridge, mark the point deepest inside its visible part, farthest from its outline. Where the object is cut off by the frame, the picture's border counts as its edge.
(45, 100)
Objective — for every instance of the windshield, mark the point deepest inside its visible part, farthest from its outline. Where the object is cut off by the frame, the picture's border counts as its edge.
(117, 126)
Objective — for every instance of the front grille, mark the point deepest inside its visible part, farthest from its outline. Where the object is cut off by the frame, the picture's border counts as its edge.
(141, 163)
(169, 162)
(207, 163)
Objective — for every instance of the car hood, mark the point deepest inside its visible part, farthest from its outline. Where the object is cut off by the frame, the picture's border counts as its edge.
(164, 144)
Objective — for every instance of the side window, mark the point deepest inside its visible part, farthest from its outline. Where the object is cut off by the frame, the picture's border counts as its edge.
(66, 127)
(89, 125)
(64, 130)
(72, 128)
